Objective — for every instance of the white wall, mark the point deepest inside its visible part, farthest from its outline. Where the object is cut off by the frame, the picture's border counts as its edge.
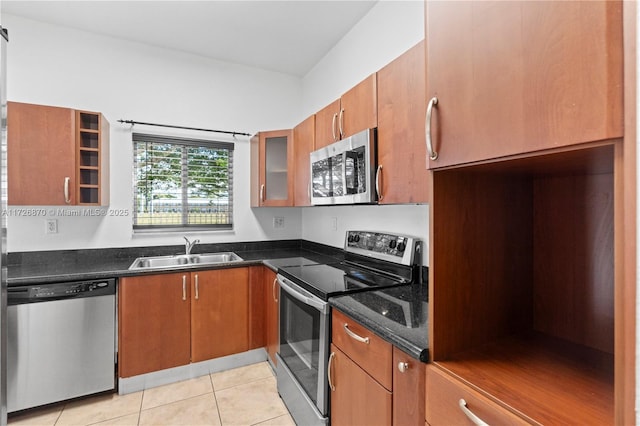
(387, 31)
(54, 65)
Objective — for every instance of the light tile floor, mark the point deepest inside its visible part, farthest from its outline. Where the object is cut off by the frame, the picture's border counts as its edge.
(242, 396)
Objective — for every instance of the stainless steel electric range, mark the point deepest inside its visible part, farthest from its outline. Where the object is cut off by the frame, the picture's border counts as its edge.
(373, 261)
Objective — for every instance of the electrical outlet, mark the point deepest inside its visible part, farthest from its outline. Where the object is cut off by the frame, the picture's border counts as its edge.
(334, 223)
(52, 226)
(278, 222)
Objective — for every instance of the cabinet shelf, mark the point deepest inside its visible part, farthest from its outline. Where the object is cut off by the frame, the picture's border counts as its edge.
(552, 381)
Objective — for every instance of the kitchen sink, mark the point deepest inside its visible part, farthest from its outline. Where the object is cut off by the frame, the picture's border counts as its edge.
(182, 260)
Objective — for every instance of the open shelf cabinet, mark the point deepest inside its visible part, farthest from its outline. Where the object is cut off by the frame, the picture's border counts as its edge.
(92, 158)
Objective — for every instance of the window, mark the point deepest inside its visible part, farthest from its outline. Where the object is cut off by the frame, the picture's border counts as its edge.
(182, 183)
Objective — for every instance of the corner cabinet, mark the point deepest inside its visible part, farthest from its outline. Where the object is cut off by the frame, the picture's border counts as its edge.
(272, 169)
(356, 110)
(506, 78)
(56, 156)
(402, 174)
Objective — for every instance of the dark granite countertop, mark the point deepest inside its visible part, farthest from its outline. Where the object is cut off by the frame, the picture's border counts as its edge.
(44, 267)
(398, 315)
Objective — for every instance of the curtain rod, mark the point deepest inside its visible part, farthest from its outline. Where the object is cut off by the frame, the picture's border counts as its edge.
(183, 127)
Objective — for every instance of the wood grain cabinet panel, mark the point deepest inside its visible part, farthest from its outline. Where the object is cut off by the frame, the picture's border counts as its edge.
(356, 398)
(443, 395)
(153, 323)
(522, 76)
(272, 313)
(402, 154)
(219, 313)
(303, 145)
(56, 156)
(408, 389)
(355, 111)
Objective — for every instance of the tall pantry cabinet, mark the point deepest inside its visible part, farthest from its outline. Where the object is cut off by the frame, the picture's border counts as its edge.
(531, 288)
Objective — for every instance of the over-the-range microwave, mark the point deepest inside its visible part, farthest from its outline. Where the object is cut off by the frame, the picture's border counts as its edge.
(344, 172)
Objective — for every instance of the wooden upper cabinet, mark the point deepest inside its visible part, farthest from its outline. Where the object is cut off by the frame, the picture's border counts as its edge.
(303, 144)
(517, 77)
(219, 313)
(402, 154)
(153, 323)
(272, 169)
(355, 111)
(40, 154)
(56, 156)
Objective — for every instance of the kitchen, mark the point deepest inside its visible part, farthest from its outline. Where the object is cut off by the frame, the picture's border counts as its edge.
(122, 81)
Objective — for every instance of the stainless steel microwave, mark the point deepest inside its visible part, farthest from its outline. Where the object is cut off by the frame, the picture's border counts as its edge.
(344, 172)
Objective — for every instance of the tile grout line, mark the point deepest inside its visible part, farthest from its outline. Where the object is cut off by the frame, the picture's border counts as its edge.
(215, 398)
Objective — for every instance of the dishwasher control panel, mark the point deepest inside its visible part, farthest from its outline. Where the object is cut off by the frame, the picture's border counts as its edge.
(56, 291)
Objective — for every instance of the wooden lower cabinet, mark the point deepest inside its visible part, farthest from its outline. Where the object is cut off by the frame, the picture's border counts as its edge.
(153, 323)
(356, 398)
(168, 320)
(443, 396)
(408, 389)
(374, 383)
(219, 313)
(272, 330)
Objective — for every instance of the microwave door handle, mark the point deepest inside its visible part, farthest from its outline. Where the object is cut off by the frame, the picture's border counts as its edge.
(298, 295)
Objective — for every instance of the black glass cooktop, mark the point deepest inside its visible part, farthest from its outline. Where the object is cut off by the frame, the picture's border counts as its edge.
(339, 278)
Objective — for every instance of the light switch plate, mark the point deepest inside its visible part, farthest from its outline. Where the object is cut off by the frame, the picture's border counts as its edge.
(278, 222)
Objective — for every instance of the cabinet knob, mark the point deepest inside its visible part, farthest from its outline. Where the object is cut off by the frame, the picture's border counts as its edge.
(403, 366)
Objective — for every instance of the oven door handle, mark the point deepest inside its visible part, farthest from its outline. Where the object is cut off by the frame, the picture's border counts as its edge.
(302, 295)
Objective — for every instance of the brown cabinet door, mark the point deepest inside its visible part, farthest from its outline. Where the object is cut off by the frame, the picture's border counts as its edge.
(402, 154)
(273, 184)
(358, 108)
(327, 130)
(356, 398)
(443, 396)
(40, 155)
(516, 77)
(303, 144)
(153, 323)
(272, 314)
(257, 307)
(219, 313)
(408, 389)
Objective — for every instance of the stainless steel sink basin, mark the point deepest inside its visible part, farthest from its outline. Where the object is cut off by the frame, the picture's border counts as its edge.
(182, 260)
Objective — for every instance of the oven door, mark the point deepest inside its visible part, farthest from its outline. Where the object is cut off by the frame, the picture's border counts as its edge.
(303, 354)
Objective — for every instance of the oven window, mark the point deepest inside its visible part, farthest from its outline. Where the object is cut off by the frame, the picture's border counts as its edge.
(300, 342)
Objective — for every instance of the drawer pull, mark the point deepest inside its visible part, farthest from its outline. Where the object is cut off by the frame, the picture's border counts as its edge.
(475, 419)
(403, 366)
(354, 335)
(330, 363)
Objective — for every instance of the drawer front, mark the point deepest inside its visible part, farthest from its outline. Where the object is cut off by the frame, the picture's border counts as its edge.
(443, 395)
(374, 356)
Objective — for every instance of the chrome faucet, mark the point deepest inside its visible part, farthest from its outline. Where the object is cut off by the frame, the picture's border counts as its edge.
(189, 245)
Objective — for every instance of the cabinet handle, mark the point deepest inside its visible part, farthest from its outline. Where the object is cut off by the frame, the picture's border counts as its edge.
(333, 126)
(378, 174)
(354, 335)
(262, 192)
(184, 287)
(403, 366)
(197, 288)
(475, 419)
(427, 129)
(329, 364)
(67, 199)
(273, 291)
(341, 123)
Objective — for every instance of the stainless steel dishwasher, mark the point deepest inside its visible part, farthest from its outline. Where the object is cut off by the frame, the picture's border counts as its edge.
(61, 341)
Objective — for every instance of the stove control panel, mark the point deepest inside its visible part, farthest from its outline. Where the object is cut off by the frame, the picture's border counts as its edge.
(391, 247)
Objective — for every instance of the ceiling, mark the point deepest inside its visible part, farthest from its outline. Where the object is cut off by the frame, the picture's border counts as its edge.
(284, 36)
